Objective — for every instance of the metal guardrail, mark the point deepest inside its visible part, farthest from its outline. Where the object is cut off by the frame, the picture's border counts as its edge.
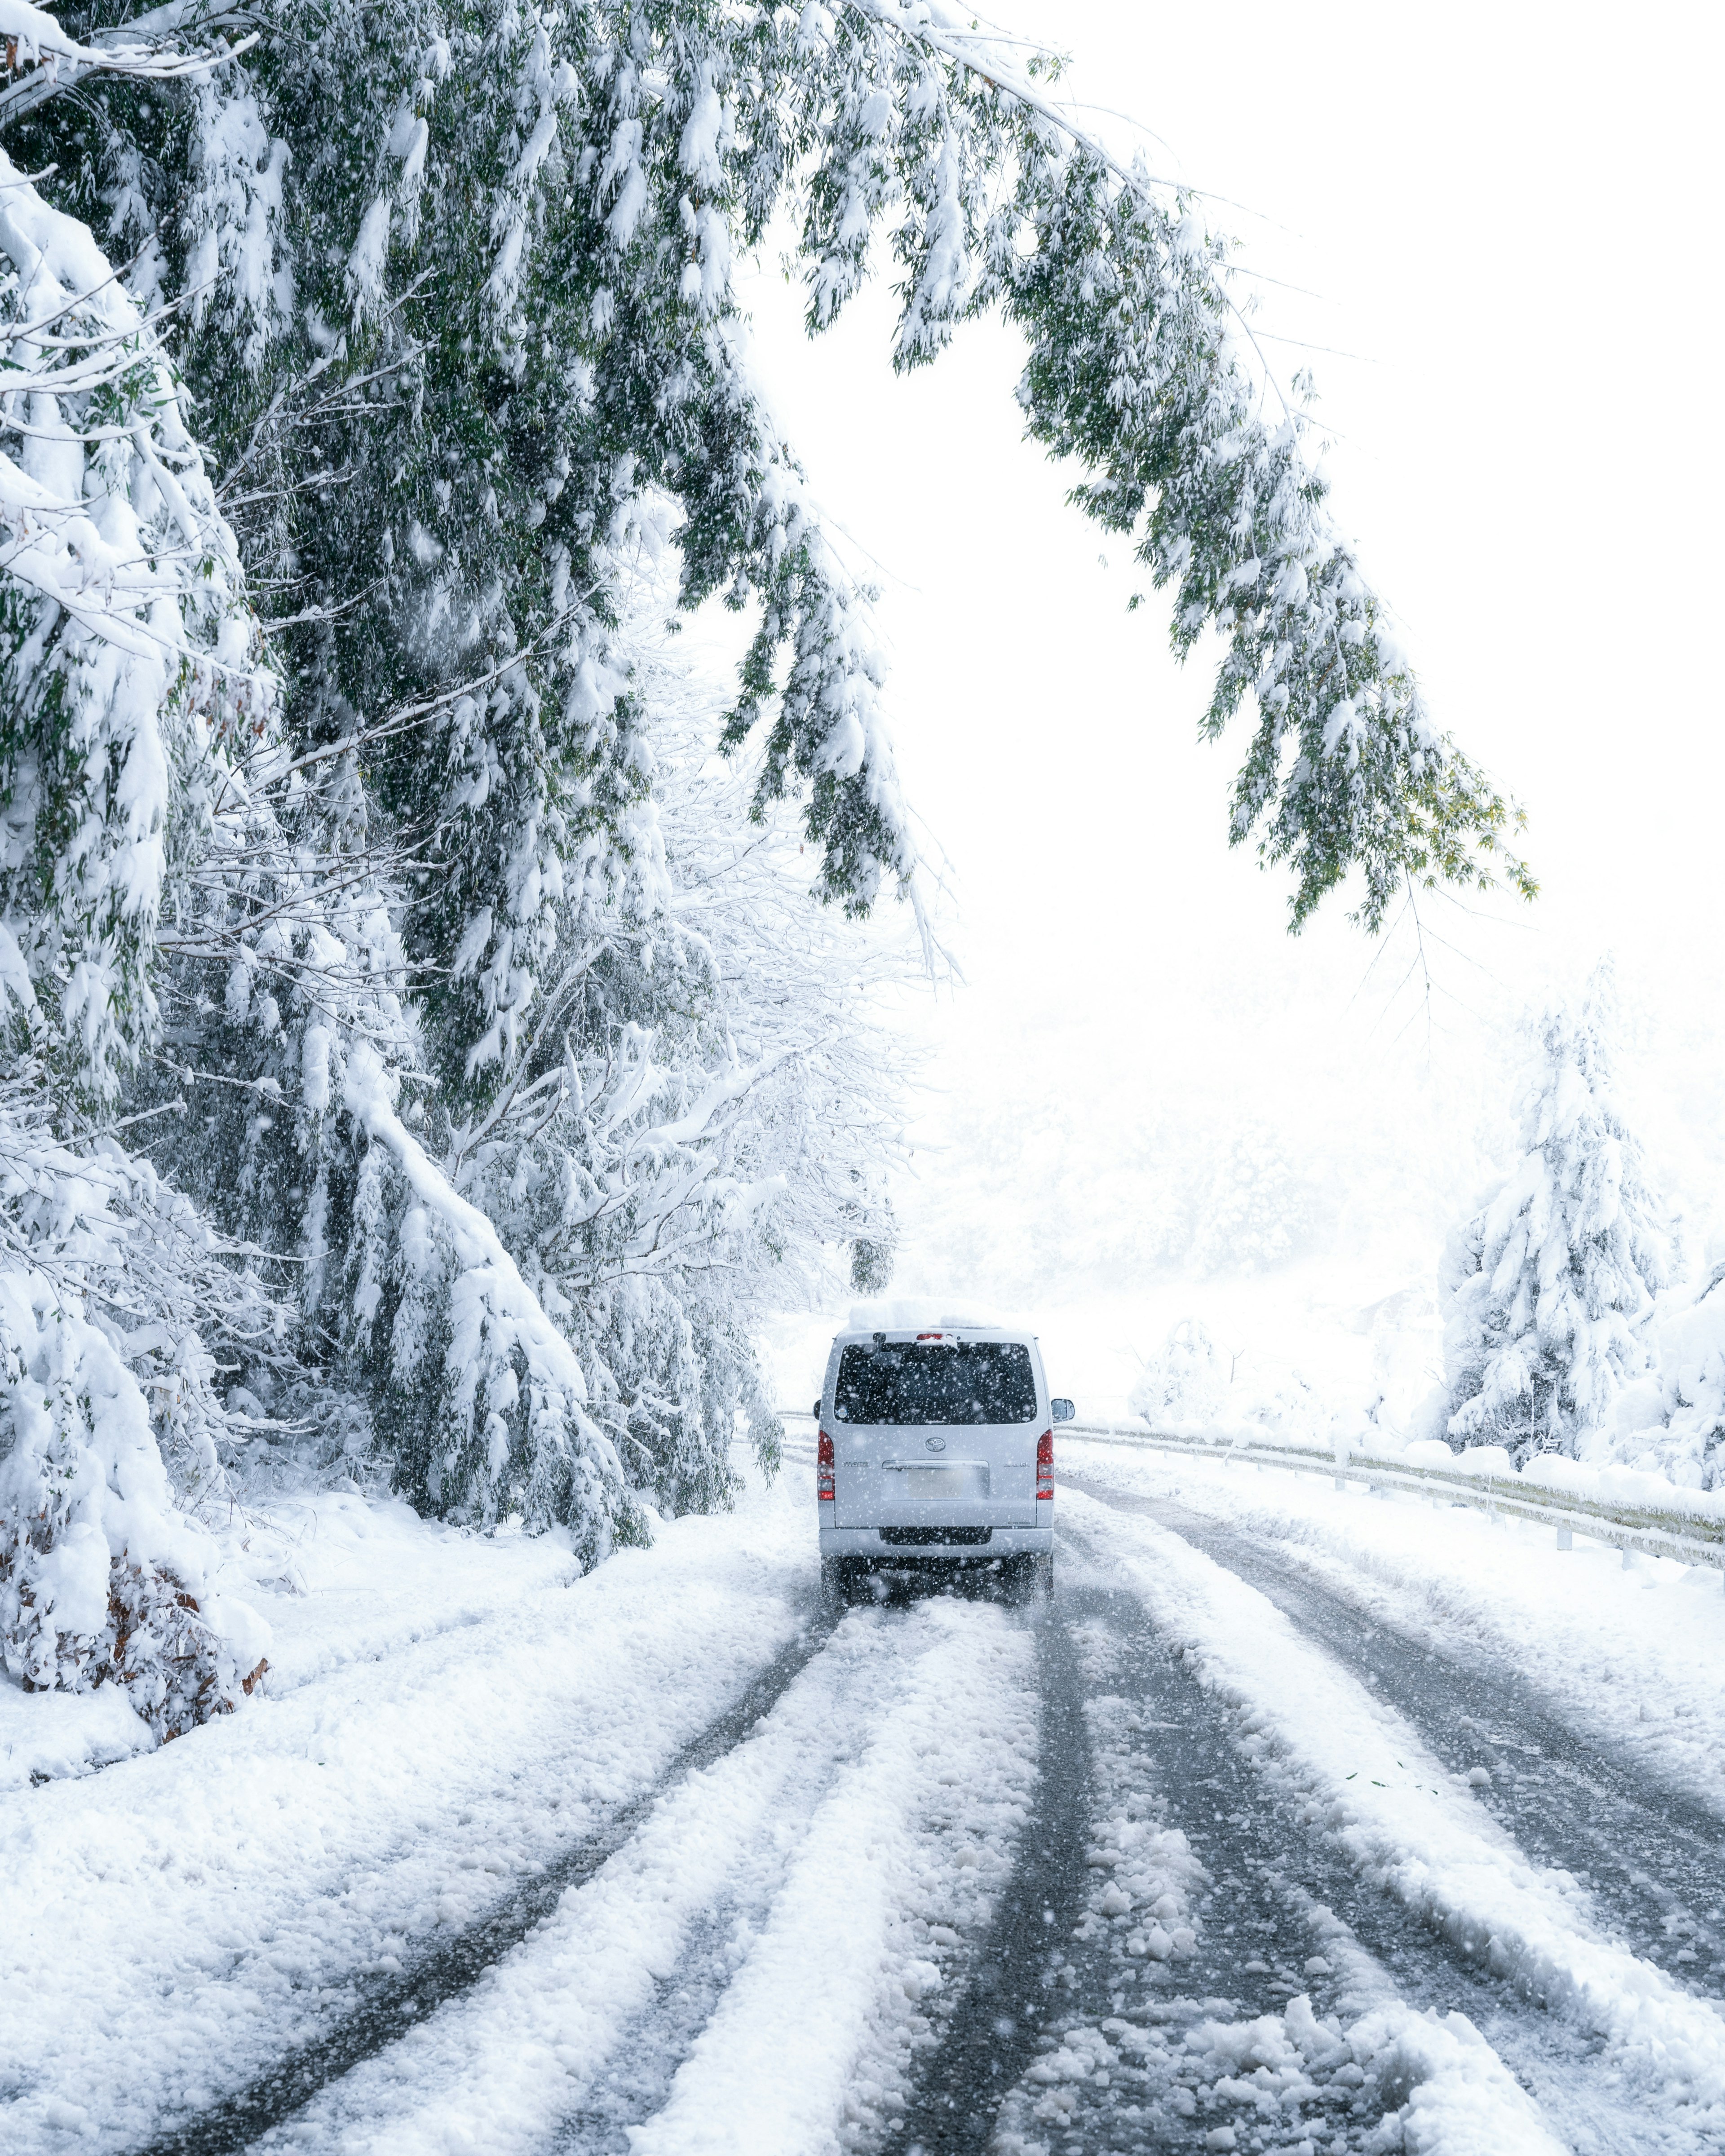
(1653, 1530)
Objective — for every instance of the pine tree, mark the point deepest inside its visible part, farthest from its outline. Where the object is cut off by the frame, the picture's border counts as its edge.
(1548, 1284)
(511, 229)
(706, 1113)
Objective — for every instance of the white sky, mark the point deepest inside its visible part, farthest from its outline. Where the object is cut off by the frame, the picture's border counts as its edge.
(1509, 217)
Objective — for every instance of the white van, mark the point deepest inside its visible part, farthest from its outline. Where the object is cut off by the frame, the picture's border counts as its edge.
(935, 1446)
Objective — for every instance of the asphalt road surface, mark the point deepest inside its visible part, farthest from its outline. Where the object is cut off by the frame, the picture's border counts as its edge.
(1183, 1949)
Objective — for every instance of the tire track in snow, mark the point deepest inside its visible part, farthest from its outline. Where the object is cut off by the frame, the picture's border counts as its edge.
(890, 1882)
(442, 1973)
(1078, 2029)
(831, 1858)
(746, 1973)
(992, 2036)
(1210, 1996)
(1432, 1891)
(177, 1926)
(1652, 1859)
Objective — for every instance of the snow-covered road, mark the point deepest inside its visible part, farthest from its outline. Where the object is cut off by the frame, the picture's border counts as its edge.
(1296, 1822)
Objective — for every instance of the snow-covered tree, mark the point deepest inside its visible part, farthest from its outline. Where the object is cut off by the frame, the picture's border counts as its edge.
(1549, 1283)
(130, 663)
(1672, 1421)
(705, 1115)
(1187, 1379)
(481, 1019)
(1250, 1206)
(508, 233)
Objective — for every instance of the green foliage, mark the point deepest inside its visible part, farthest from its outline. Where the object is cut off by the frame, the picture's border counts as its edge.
(450, 285)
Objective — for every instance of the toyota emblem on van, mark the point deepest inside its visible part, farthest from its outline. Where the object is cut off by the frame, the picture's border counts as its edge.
(936, 1444)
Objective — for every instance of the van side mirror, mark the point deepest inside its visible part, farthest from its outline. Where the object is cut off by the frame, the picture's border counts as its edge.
(1062, 1410)
(815, 1410)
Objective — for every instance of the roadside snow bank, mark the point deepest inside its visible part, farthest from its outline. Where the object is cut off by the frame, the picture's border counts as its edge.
(336, 1578)
(347, 1578)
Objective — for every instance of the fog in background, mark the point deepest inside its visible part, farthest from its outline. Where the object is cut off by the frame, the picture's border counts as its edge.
(1146, 1099)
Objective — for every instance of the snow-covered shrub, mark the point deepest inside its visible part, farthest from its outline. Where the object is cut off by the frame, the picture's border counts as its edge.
(1186, 1380)
(101, 1579)
(1672, 1421)
(1548, 1285)
(1293, 1410)
(1405, 1333)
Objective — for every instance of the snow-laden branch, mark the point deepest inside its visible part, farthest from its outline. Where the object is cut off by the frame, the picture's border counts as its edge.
(497, 1332)
(129, 633)
(475, 1241)
(30, 39)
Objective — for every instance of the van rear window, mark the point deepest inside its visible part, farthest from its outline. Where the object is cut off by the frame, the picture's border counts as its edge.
(921, 1382)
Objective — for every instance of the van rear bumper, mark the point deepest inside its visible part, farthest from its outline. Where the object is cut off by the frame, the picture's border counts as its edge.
(871, 1542)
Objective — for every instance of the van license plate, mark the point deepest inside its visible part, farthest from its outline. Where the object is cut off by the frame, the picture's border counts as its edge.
(967, 1481)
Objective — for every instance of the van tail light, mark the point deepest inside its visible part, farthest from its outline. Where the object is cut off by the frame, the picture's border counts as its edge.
(823, 1470)
(1044, 1466)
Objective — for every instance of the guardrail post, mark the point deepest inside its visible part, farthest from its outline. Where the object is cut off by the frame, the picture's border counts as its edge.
(1566, 1540)
(1628, 1554)
(1342, 1482)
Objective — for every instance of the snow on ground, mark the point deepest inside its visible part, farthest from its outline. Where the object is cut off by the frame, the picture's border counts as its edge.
(1370, 1780)
(451, 1713)
(342, 1580)
(841, 1855)
(757, 1966)
(1630, 1654)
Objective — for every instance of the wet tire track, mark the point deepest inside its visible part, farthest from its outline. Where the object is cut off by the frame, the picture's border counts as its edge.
(1270, 1905)
(385, 2005)
(1278, 1894)
(1652, 1857)
(995, 2030)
